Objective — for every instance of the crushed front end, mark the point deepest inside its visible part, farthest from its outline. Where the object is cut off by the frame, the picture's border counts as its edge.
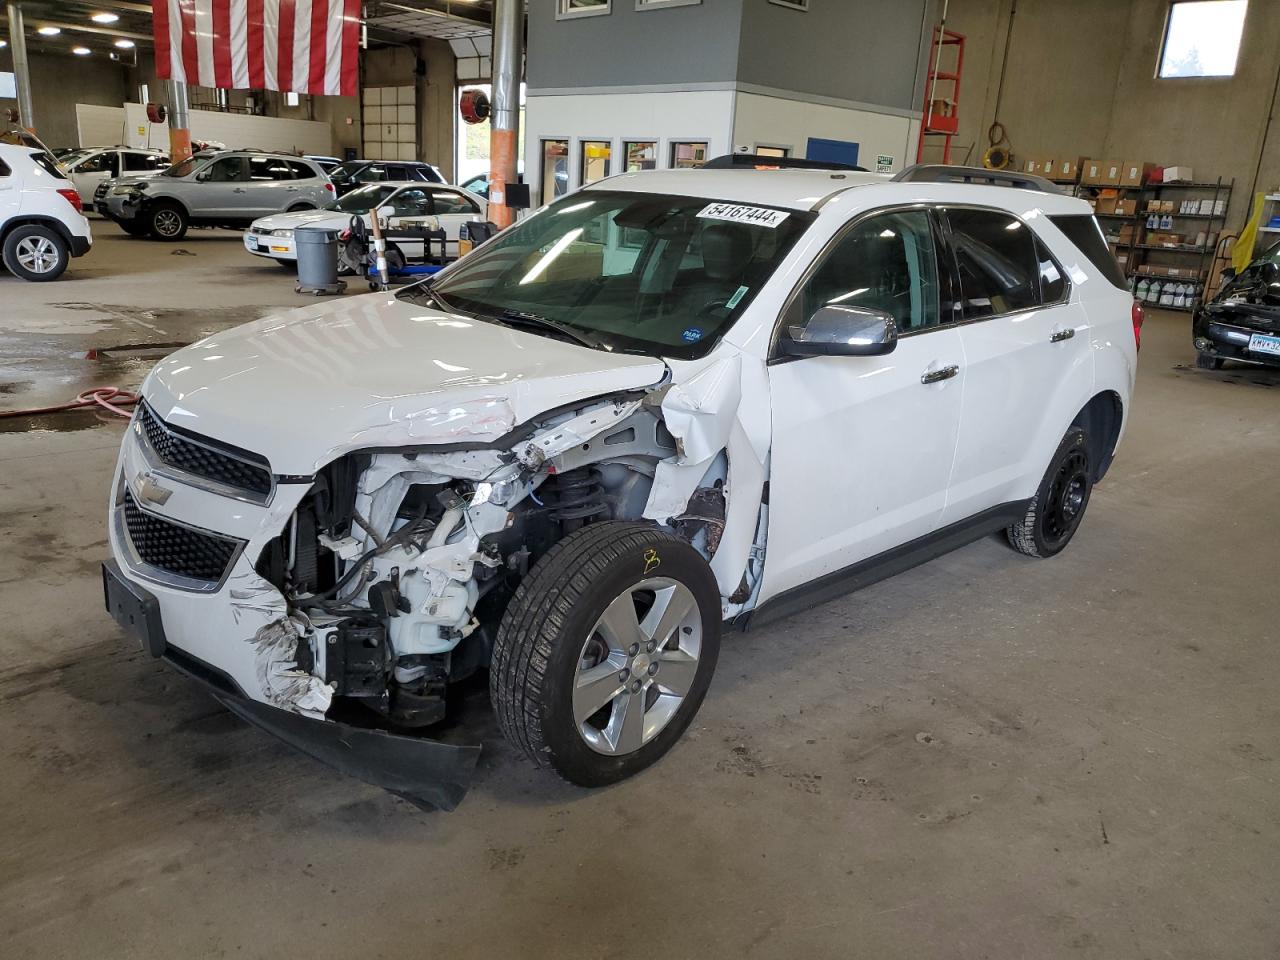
(338, 609)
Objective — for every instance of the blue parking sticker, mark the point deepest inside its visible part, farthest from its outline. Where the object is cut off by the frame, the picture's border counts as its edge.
(691, 335)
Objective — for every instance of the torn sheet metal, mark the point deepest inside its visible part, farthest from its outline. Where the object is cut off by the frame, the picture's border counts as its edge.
(556, 440)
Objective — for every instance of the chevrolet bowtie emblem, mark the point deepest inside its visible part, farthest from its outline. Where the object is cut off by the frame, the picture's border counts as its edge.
(150, 490)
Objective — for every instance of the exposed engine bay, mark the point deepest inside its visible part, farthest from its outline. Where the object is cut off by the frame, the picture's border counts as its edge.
(397, 565)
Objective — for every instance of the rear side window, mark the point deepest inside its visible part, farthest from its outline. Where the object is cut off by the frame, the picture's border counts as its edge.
(302, 171)
(49, 165)
(269, 168)
(1083, 231)
(4, 170)
(999, 266)
(448, 202)
(143, 161)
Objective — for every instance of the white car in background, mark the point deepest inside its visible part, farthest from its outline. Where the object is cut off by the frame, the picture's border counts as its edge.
(41, 226)
(90, 166)
(273, 236)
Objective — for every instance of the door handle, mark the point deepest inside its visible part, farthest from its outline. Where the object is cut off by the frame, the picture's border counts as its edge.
(292, 189)
(937, 376)
(238, 190)
(1059, 335)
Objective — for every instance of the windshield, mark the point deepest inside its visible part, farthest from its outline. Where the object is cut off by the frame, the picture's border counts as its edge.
(635, 272)
(345, 171)
(182, 168)
(364, 199)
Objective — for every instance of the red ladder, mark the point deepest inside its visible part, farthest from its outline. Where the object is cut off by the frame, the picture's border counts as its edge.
(941, 112)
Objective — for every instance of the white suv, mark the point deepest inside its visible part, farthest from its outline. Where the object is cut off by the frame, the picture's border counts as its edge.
(668, 401)
(41, 226)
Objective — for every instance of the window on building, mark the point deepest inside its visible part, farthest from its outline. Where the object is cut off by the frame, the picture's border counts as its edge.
(555, 169)
(999, 267)
(595, 160)
(580, 8)
(640, 155)
(8, 86)
(1202, 38)
(766, 151)
(686, 154)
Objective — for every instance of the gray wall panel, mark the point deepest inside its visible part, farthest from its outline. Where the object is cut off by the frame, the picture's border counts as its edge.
(628, 47)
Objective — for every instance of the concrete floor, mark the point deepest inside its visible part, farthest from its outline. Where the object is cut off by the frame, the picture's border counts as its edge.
(986, 757)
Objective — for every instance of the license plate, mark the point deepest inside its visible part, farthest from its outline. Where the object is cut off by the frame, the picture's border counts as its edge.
(1261, 343)
(250, 244)
(136, 610)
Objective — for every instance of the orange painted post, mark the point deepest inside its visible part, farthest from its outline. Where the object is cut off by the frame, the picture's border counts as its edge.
(179, 125)
(504, 134)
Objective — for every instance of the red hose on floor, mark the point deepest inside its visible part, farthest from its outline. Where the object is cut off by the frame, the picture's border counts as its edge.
(105, 397)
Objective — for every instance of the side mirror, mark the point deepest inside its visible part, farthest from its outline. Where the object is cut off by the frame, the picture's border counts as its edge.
(836, 331)
(1270, 273)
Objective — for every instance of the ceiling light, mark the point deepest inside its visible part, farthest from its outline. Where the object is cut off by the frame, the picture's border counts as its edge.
(80, 51)
(105, 17)
(49, 31)
(124, 44)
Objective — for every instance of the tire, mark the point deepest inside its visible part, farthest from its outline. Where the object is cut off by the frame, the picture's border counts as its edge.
(35, 252)
(1207, 361)
(134, 228)
(555, 632)
(1056, 510)
(166, 221)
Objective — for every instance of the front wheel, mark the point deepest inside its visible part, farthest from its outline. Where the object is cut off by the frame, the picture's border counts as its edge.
(35, 252)
(1207, 361)
(167, 221)
(1056, 510)
(606, 651)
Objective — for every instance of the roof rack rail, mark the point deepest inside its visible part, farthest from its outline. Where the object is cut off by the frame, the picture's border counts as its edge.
(940, 173)
(756, 161)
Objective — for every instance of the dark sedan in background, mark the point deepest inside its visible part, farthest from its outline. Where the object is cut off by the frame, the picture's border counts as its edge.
(1243, 321)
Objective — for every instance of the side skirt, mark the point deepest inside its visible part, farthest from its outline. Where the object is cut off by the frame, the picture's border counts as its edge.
(885, 565)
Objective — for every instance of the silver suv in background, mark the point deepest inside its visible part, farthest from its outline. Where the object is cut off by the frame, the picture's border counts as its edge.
(228, 188)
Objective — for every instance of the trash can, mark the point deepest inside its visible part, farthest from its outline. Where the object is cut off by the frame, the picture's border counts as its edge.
(317, 261)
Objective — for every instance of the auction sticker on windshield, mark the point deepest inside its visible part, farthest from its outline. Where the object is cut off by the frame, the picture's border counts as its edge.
(739, 213)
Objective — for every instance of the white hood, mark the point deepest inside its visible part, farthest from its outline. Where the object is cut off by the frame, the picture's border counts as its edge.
(303, 387)
(334, 219)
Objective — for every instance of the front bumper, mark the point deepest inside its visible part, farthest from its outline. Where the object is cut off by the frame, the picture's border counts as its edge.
(278, 248)
(426, 772)
(1230, 342)
(119, 207)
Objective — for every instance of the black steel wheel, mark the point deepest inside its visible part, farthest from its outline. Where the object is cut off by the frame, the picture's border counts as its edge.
(1056, 510)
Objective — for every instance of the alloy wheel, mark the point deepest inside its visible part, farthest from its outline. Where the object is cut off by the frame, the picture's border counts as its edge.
(637, 665)
(37, 254)
(167, 223)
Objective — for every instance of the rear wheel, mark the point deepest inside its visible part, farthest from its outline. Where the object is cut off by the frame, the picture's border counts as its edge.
(1207, 361)
(606, 651)
(167, 221)
(1055, 512)
(35, 252)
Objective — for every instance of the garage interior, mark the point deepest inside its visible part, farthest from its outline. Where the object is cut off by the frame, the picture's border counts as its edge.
(983, 756)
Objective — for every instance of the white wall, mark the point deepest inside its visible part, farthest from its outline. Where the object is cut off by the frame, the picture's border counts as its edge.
(778, 121)
(128, 125)
(662, 116)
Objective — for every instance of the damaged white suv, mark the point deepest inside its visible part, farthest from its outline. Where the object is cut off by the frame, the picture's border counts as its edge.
(667, 402)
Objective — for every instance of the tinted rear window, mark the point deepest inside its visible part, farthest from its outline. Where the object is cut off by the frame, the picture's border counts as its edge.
(1084, 232)
(49, 165)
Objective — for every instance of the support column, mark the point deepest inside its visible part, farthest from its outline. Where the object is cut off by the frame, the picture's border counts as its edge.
(21, 73)
(504, 135)
(179, 125)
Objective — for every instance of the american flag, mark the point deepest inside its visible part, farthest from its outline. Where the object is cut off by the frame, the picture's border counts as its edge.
(298, 46)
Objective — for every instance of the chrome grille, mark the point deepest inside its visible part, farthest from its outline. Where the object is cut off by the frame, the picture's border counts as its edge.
(225, 466)
(175, 549)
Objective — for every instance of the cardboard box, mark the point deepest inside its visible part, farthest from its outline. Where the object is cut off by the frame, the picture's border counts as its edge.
(1153, 206)
(1048, 168)
(1128, 208)
(1112, 170)
(1178, 175)
(1166, 206)
(1069, 169)
(1104, 205)
(1136, 172)
(1031, 166)
(1093, 170)
(1206, 208)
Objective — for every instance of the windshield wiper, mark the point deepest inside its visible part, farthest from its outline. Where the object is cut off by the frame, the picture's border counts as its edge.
(518, 318)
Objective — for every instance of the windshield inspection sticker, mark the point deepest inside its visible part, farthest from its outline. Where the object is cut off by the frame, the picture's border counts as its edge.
(739, 213)
(691, 335)
(736, 298)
